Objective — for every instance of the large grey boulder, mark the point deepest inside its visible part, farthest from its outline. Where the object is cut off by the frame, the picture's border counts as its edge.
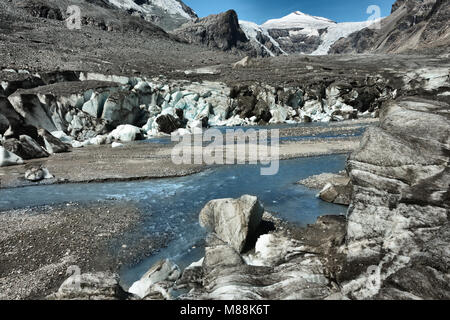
(232, 220)
(398, 224)
(26, 148)
(53, 144)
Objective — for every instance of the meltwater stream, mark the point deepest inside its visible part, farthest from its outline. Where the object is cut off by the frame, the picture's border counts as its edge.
(174, 203)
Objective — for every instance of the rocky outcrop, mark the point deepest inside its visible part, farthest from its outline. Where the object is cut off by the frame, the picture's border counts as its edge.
(398, 223)
(276, 267)
(413, 25)
(221, 31)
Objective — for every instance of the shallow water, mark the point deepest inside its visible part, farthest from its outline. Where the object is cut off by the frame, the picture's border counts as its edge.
(172, 205)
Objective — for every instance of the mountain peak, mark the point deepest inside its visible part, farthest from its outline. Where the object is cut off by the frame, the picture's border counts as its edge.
(298, 19)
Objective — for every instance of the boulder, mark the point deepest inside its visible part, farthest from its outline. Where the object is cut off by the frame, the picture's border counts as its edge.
(26, 148)
(53, 144)
(91, 286)
(162, 271)
(8, 158)
(168, 123)
(245, 62)
(232, 220)
(37, 174)
(337, 193)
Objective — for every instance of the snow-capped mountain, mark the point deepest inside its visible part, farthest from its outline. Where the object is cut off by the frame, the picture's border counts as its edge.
(299, 33)
(298, 19)
(168, 14)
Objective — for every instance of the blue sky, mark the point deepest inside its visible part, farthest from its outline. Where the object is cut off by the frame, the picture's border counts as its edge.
(260, 11)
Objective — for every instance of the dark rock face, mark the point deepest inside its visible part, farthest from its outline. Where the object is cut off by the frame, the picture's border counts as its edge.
(53, 144)
(398, 223)
(295, 43)
(413, 25)
(168, 123)
(42, 9)
(221, 31)
(248, 105)
(4, 124)
(26, 148)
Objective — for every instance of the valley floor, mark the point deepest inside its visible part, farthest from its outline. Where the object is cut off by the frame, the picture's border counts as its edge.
(148, 159)
(39, 244)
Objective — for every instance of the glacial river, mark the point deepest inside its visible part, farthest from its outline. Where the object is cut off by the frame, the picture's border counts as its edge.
(172, 205)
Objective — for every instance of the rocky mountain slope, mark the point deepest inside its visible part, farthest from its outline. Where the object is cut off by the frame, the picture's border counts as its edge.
(413, 25)
(168, 14)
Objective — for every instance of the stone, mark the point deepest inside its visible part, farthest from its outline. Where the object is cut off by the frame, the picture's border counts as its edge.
(53, 144)
(162, 271)
(245, 62)
(8, 158)
(91, 286)
(37, 174)
(168, 123)
(116, 145)
(232, 220)
(26, 148)
(337, 193)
